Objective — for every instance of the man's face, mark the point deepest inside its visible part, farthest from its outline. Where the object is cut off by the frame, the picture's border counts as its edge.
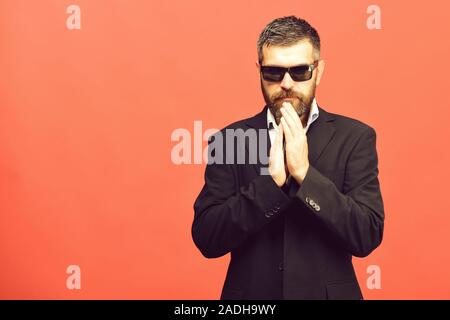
(299, 94)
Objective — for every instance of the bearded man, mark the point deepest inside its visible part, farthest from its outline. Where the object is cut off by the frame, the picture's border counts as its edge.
(293, 230)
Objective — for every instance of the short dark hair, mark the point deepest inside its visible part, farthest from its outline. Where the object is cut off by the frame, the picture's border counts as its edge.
(287, 31)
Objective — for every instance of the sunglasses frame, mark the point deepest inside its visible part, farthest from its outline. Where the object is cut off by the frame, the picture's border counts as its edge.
(311, 68)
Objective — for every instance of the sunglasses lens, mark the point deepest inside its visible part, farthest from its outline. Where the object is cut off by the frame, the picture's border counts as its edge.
(301, 73)
(274, 74)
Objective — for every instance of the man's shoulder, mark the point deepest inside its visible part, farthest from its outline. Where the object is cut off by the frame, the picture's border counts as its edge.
(244, 124)
(349, 125)
(239, 124)
(234, 128)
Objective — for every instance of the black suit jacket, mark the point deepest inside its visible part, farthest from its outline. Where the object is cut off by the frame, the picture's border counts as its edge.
(295, 242)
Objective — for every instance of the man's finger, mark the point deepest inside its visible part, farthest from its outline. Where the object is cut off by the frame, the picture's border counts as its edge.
(293, 115)
(286, 129)
(289, 121)
(279, 138)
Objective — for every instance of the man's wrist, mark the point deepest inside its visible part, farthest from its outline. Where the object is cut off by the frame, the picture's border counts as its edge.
(300, 176)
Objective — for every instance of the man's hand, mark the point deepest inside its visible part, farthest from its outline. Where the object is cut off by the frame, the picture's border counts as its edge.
(296, 143)
(277, 167)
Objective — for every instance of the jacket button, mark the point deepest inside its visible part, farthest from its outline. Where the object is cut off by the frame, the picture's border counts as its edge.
(280, 266)
(317, 208)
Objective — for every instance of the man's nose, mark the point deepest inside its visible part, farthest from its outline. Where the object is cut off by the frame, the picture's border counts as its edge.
(287, 83)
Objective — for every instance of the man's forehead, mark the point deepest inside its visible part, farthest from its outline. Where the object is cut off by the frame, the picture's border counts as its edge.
(299, 53)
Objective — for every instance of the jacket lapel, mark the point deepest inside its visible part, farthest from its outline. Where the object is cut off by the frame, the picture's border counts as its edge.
(319, 135)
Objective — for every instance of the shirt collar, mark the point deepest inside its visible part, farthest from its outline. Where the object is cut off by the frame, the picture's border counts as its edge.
(313, 115)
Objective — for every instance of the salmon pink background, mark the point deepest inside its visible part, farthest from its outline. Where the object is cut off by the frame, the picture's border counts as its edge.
(86, 118)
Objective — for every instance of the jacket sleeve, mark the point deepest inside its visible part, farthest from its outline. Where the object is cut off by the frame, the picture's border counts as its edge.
(225, 215)
(355, 216)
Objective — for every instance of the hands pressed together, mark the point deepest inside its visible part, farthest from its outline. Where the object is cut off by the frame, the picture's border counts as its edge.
(296, 163)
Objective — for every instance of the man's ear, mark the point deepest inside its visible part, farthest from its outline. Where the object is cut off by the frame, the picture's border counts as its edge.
(320, 69)
(257, 66)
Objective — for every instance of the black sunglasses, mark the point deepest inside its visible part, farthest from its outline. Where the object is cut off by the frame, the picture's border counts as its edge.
(298, 73)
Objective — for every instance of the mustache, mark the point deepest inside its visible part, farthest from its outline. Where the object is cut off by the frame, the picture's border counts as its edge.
(285, 94)
(274, 105)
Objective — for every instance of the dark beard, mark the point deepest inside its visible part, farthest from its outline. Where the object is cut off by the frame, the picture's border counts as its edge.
(301, 110)
(274, 103)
